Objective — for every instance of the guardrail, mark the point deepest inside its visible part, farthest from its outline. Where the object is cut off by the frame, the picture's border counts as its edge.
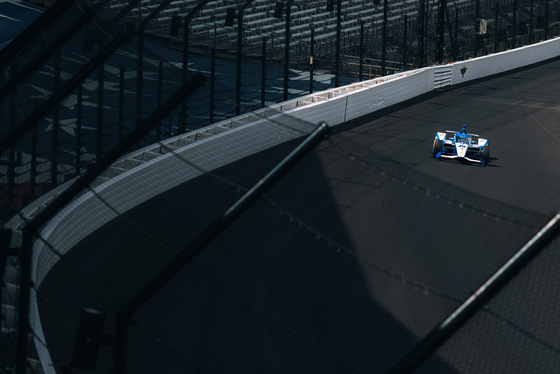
(145, 173)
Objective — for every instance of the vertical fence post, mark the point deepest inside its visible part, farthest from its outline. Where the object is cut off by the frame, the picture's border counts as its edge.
(531, 24)
(496, 29)
(263, 73)
(361, 72)
(546, 9)
(55, 119)
(12, 101)
(421, 33)
(212, 84)
(120, 125)
(384, 39)
(456, 48)
(515, 29)
(139, 75)
(405, 43)
(100, 85)
(338, 31)
(34, 155)
(185, 72)
(476, 28)
(440, 31)
(311, 57)
(159, 96)
(78, 132)
(23, 301)
(239, 59)
(287, 49)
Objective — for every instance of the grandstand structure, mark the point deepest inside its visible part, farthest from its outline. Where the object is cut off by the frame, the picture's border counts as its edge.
(411, 28)
(84, 75)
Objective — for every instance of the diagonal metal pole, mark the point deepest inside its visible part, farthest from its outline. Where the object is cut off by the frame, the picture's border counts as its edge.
(73, 82)
(57, 43)
(27, 35)
(201, 242)
(30, 229)
(60, 94)
(37, 62)
(427, 346)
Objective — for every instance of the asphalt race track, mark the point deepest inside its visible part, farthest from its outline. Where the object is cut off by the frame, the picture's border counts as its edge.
(354, 255)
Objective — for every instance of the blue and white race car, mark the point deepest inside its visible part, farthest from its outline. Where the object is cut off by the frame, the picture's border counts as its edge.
(461, 145)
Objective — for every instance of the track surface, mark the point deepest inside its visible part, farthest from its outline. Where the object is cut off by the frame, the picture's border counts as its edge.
(356, 255)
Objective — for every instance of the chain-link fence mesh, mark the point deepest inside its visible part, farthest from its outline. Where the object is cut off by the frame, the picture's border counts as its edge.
(344, 265)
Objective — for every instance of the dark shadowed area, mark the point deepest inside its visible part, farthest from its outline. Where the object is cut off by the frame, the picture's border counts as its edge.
(349, 260)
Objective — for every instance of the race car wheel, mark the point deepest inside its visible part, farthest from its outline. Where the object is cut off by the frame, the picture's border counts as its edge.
(485, 151)
(438, 146)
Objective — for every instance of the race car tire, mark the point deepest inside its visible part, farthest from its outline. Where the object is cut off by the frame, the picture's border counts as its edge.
(485, 151)
(438, 146)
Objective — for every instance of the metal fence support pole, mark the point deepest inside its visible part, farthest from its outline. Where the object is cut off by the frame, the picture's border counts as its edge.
(337, 53)
(185, 72)
(39, 60)
(55, 119)
(496, 28)
(100, 110)
(120, 130)
(361, 72)
(437, 337)
(140, 75)
(546, 17)
(23, 301)
(263, 73)
(34, 29)
(514, 28)
(287, 49)
(159, 96)
(212, 85)
(456, 32)
(12, 151)
(422, 33)
(78, 133)
(239, 59)
(31, 228)
(405, 43)
(440, 31)
(60, 94)
(34, 155)
(311, 56)
(531, 24)
(202, 240)
(476, 28)
(384, 38)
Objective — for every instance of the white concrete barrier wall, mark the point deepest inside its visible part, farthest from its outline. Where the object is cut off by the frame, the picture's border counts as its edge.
(231, 140)
(481, 67)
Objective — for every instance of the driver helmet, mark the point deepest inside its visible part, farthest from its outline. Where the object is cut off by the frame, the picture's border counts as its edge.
(464, 129)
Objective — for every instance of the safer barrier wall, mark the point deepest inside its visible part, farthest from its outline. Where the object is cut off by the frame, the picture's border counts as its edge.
(485, 66)
(231, 140)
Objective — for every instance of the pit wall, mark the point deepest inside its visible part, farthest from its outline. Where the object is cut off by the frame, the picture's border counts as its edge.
(143, 174)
